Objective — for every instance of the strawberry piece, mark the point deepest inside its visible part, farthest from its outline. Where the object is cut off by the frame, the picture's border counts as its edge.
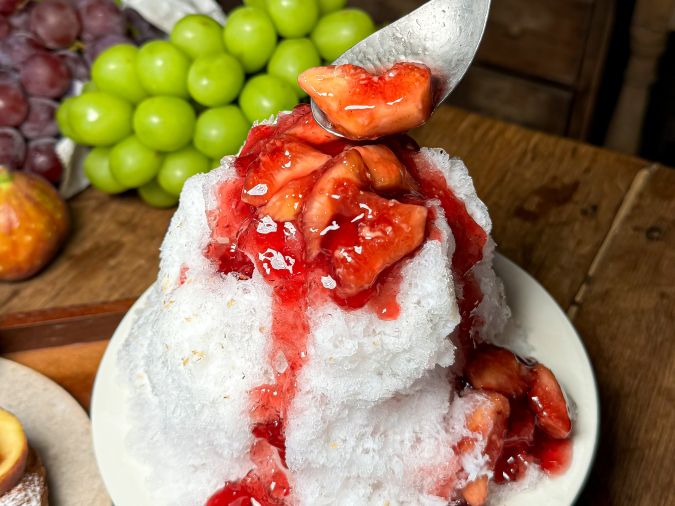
(309, 131)
(475, 492)
(346, 173)
(361, 105)
(490, 421)
(554, 455)
(259, 135)
(548, 403)
(374, 233)
(283, 159)
(385, 172)
(286, 204)
(499, 370)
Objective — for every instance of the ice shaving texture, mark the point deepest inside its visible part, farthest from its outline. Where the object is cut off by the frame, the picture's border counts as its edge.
(192, 356)
(371, 421)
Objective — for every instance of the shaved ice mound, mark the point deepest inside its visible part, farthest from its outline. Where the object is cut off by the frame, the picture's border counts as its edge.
(254, 374)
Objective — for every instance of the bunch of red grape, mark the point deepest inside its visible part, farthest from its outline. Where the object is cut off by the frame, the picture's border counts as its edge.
(44, 46)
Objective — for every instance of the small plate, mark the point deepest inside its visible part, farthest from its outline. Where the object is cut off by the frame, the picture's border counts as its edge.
(59, 429)
(550, 336)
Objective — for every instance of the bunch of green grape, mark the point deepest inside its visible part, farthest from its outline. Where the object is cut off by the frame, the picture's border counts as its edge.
(159, 114)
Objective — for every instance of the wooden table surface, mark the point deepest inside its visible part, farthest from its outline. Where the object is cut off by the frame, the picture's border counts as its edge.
(596, 228)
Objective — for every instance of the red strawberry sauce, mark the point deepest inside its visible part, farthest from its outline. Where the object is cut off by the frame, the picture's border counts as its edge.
(238, 248)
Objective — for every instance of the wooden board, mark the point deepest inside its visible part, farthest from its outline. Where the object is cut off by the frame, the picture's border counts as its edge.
(626, 318)
(509, 98)
(112, 253)
(552, 200)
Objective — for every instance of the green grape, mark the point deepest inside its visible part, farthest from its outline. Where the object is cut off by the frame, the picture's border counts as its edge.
(63, 120)
(153, 194)
(100, 119)
(291, 58)
(114, 72)
(162, 69)
(97, 170)
(328, 6)
(215, 79)
(264, 95)
(198, 35)
(133, 164)
(164, 123)
(260, 4)
(179, 166)
(337, 32)
(293, 18)
(250, 37)
(89, 87)
(221, 131)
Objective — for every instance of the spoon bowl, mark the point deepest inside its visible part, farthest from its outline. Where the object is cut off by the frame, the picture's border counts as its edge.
(444, 35)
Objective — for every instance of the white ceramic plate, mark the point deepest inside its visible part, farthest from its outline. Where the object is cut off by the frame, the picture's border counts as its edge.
(549, 333)
(59, 429)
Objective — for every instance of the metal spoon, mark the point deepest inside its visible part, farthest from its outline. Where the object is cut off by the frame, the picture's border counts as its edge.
(444, 35)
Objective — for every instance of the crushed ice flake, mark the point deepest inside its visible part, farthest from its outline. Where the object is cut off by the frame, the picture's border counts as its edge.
(289, 229)
(332, 226)
(266, 225)
(359, 217)
(277, 260)
(257, 190)
(395, 101)
(358, 249)
(328, 282)
(358, 107)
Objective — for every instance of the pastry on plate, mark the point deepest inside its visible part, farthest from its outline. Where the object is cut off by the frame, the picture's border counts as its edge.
(22, 475)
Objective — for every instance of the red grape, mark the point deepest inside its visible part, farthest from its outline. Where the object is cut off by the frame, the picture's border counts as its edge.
(12, 148)
(40, 121)
(21, 20)
(13, 105)
(140, 30)
(5, 28)
(45, 75)
(9, 76)
(55, 23)
(41, 159)
(100, 18)
(96, 48)
(75, 63)
(8, 7)
(17, 48)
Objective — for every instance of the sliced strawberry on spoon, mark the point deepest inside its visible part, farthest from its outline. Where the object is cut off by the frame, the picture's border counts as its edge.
(499, 370)
(283, 159)
(361, 105)
(548, 402)
(385, 171)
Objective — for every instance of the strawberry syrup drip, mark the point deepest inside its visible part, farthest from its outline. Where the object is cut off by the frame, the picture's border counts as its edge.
(525, 444)
(470, 238)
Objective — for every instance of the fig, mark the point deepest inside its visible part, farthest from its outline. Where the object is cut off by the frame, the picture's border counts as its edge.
(34, 223)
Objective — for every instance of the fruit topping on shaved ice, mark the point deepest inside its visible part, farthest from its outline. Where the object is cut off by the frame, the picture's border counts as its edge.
(322, 328)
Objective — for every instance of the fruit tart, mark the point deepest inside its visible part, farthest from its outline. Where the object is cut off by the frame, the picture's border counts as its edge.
(22, 475)
(323, 328)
